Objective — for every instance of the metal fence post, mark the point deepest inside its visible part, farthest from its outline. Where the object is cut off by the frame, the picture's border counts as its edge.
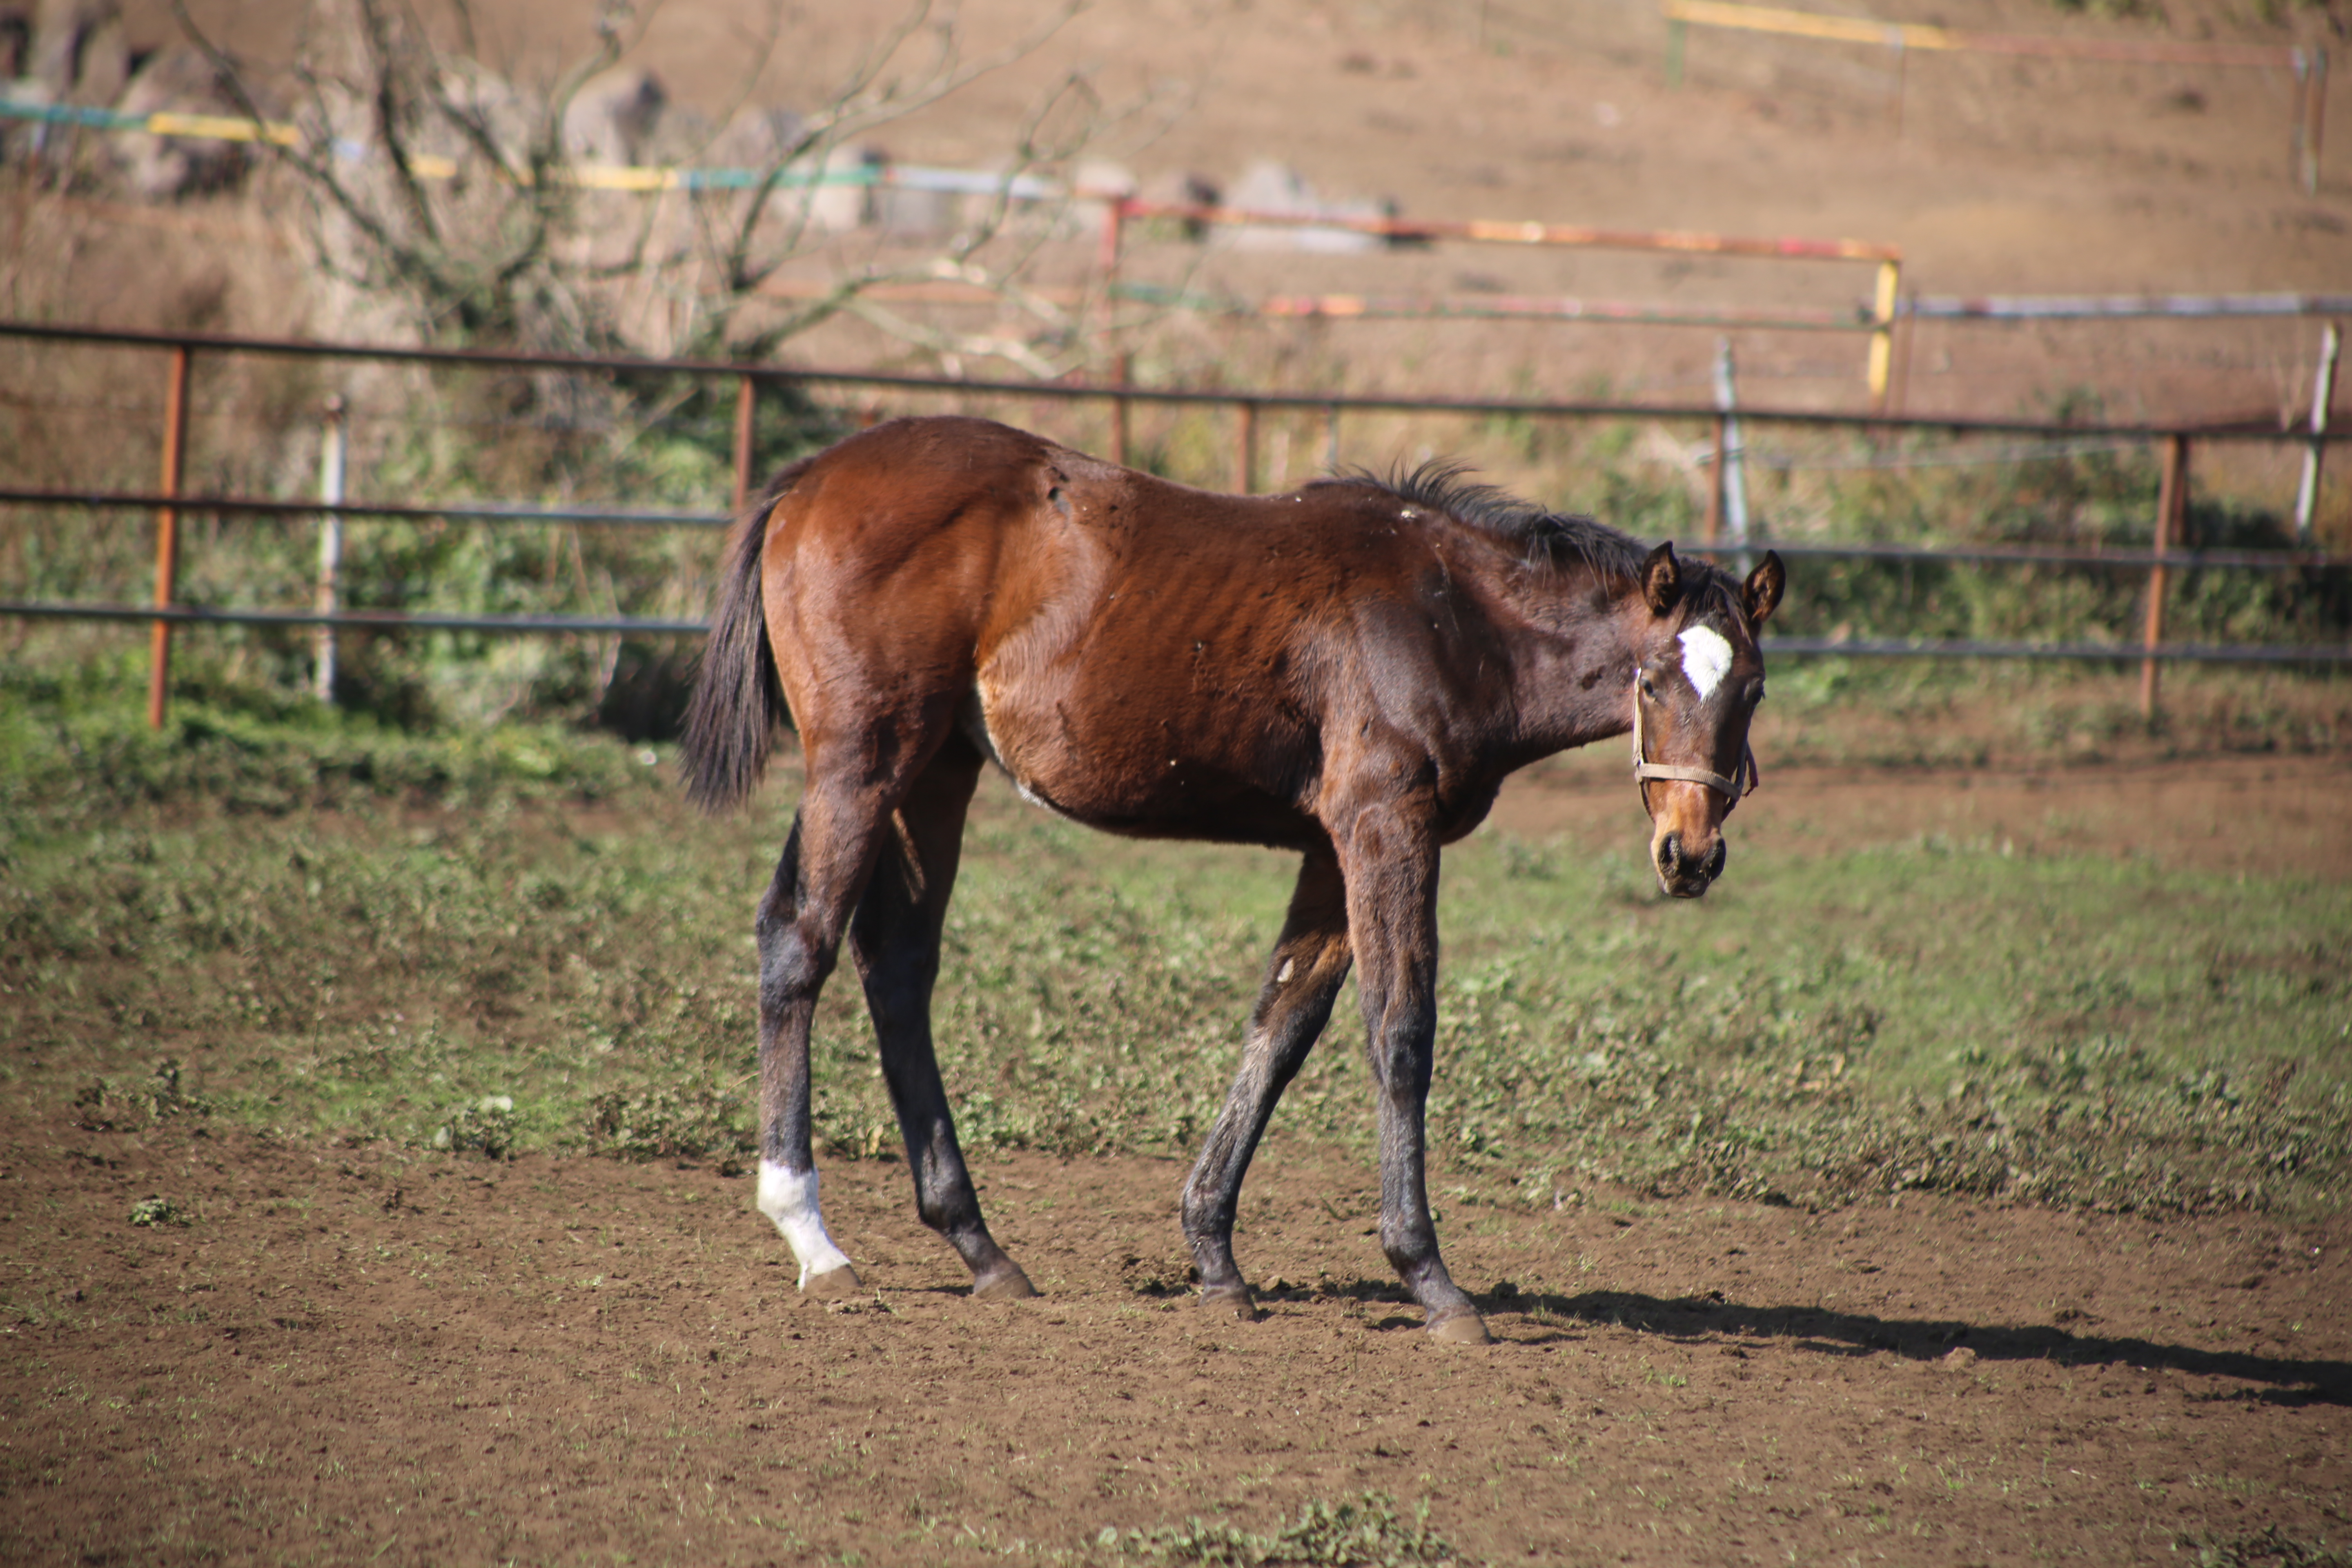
(1123, 371)
(1715, 480)
(2323, 393)
(2171, 509)
(1244, 445)
(747, 400)
(1729, 466)
(1107, 258)
(167, 533)
(330, 550)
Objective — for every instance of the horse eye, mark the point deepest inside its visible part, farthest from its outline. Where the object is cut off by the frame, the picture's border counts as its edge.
(1755, 694)
(1649, 690)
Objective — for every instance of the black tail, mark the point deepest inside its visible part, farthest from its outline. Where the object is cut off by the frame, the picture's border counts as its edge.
(730, 723)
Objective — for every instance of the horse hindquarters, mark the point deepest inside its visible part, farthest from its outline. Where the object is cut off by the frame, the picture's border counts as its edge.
(875, 687)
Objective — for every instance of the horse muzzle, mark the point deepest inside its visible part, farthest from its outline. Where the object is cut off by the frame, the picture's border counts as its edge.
(1687, 869)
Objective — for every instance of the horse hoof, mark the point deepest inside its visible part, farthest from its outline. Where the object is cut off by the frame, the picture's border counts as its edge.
(1234, 1299)
(1466, 1329)
(833, 1284)
(1007, 1284)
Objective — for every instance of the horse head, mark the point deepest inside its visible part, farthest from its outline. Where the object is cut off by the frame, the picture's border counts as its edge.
(1697, 677)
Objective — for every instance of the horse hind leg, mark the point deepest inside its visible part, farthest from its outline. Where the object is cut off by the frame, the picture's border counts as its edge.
(825, 861)
(1309, 961)
(894, 939)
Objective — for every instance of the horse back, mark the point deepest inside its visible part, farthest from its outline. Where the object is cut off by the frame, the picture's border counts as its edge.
(1137, 654)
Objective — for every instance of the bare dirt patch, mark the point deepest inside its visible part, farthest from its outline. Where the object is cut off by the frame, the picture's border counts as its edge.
(2268, 815)
(370, 1353)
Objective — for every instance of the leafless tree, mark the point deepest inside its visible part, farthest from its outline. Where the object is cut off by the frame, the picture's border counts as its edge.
(429, 183)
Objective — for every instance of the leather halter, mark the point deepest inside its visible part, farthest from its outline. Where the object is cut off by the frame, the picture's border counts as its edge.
(1744, 778)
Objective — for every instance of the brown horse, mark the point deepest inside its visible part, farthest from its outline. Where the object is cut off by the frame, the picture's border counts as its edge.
(1349, 671)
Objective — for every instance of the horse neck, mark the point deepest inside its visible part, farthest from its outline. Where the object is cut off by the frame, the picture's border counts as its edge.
(1576, 656)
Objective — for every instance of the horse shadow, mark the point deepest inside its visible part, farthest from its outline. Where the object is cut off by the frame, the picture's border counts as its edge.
(2290, 1381)
(1713, 1318)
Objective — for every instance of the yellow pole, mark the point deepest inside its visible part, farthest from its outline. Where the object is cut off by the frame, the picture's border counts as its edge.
(1881, 337)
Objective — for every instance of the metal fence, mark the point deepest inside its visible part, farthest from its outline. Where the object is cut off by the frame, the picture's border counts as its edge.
(169, 502)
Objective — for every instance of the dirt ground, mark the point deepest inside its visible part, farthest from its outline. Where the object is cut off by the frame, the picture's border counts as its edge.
(358, 1354)
(372, 1353)
(2270, 816)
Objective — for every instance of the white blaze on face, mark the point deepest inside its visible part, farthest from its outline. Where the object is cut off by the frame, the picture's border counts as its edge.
(1706, 660)
(789, 1198)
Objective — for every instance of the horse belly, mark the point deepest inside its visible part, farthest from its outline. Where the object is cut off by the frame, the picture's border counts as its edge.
(1134, 690)
(1128, 770)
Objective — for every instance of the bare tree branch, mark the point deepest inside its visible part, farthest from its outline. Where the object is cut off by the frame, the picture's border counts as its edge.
(466, 204)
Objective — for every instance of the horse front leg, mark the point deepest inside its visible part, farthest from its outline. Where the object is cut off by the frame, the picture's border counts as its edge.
(1302, 978)
(1390, 859)
(800, 926)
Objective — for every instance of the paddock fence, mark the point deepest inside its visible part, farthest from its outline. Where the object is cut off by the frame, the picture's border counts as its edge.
(1725, 529)
(1889, 319)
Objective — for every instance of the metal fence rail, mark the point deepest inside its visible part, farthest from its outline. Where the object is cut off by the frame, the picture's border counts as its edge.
(529, 511)
(1310, 402)
(360, 620)
(170, 502)
(1850, 648)
(390, 511)
(2080, 653)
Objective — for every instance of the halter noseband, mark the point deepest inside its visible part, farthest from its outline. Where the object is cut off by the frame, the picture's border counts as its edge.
(1745, 777)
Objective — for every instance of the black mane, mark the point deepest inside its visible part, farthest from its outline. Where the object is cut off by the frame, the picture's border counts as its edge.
(1443, 485)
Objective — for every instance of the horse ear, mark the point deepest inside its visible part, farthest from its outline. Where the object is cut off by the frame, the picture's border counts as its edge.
(1761, 595)
(1662, 579)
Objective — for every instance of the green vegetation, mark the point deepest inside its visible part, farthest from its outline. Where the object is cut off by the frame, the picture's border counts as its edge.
(2269, 1547)
(639, 443)
(520, 940)
(1356, 1532)
(73, 745)
(449, 912)
(1935, 491)
(160, 1211)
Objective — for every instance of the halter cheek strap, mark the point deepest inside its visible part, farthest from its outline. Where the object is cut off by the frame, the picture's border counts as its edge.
(1745, 778)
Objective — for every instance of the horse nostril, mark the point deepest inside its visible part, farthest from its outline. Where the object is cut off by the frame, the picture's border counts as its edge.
(1670, 853)
(1713, 868)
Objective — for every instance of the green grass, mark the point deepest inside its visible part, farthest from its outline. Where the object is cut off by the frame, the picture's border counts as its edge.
(1355, 1532)
(2269, 1547)
(522, 940)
